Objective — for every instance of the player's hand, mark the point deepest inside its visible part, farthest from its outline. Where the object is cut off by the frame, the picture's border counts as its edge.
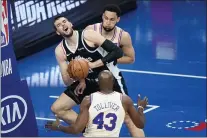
(86, 60)
(143, 103)
(81, 87)
(53, 125)
(91, 65)
(96, 64)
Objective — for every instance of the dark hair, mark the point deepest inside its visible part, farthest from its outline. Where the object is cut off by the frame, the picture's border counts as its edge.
(113, 8)
(55, 19)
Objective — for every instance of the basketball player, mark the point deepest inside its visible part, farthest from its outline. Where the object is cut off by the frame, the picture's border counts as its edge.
(103, 113)
(109, 29)
(86, 44)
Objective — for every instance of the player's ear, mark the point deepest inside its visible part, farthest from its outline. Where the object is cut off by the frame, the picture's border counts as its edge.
(71, 25)
(102, 16)
(118, 19)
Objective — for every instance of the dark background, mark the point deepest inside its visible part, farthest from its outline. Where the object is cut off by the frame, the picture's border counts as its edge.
(29, 39)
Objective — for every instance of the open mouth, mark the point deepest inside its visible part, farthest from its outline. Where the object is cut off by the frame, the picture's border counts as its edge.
(65, 29)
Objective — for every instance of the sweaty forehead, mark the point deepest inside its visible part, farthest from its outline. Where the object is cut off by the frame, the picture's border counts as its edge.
(110, 14)
(60, 20)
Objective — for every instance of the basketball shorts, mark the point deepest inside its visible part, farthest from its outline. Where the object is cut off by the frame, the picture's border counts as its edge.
(91, 87)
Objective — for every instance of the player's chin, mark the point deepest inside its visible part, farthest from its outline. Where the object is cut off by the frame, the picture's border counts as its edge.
(108, 29)
(67, 34)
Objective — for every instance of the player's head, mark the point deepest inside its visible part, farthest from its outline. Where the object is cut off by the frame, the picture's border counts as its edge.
(63, 26)
(106, 81)
(111, 16)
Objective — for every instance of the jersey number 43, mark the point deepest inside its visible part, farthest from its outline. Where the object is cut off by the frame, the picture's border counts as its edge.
(99, 120)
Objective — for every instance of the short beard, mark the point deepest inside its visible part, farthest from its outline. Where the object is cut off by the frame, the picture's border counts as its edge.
(107, 29)
(69, 35)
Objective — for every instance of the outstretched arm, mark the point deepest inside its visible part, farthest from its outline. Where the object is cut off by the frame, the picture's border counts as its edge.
(137, 116)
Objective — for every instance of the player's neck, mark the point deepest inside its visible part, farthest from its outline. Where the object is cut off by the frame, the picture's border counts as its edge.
(105, 33)
(106, 91)
(72, 39)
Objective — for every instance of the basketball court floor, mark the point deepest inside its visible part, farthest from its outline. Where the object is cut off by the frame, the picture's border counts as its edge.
(169, 39)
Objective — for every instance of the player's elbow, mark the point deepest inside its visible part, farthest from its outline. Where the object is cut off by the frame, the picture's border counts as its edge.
(67, 81)
(140, 125)
(131, 60)
(77, 130)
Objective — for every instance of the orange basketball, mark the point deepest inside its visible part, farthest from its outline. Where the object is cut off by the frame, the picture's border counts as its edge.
(78, 69)
(69, 69)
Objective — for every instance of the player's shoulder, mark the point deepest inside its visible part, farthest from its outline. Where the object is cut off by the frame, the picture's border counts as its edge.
(92, 26)
(122, 30)
(91, 35)
(99, 23)
(125, 33)
(59, 51)
(126, 99)
(86, 101)
(123, 97)
(59, 47)
(125, 36)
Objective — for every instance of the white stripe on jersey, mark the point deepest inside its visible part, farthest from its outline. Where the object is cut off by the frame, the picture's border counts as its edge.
(84, 43)
(113, 68)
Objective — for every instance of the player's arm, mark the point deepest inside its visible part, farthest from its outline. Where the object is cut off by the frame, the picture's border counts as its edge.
(61, 59)
(98, 40)
(126, 45)
(81, 121)
(90, 27)
(137, 116)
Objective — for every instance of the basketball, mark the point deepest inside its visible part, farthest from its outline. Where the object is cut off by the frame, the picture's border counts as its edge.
(78, 69)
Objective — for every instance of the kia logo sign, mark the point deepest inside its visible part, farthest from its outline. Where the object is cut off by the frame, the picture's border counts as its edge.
(13, 113)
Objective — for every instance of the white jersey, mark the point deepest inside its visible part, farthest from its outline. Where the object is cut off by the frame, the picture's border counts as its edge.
(106, 115)
(116, 38)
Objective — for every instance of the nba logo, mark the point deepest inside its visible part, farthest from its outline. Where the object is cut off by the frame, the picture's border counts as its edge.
(4, 24)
